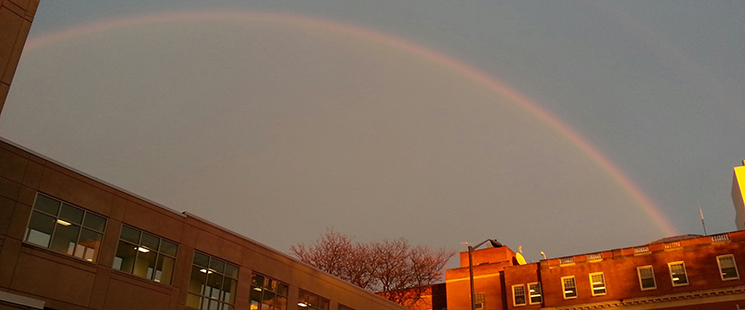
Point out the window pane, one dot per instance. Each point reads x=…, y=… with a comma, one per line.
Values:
x=214, y=285
x=164, y=269
x=145, y=264
x=268, y=302
x=40, y=229
x=47, y=204
x=231, y=271
x=281, y=303
x=64, y=239
x=324, y=304
x=130, y=234
x=168, y=248
x=313, y=300
x=125, y=257
x=535, y=293
x=228, y=289
x=303, y=297
x=726, y=262
x=201, y=260
x=94, y=222
x=257, y=280
x=255, y=296
x=197, y=280
x=270, y=284
x=71, y=214
x=149, y=241
x=88, y=245
x=282, y=289
x=217, y=265
x=648, y=283
x=646, y=273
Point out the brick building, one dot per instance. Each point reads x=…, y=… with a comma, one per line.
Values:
x=683, y=272
x=68, y=241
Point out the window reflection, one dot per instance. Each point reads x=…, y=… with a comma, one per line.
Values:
x=64, y=228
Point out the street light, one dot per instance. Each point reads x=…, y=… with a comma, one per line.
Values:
x=494, y=243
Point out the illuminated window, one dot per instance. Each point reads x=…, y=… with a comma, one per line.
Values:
x=569, y=286
x=536, y=295
x=307, y=300
x=646, y=278
x=678, y=273
x=727, y=267
x=212, y=283
x=597, y=281
x=518, y=295
x=267, y=293
x=64, y=228
x=145, y=255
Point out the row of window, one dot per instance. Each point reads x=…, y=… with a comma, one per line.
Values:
x=678, y=277
x=71, y=230
x=534, y=295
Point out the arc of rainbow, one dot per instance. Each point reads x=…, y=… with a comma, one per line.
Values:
x=646, y=203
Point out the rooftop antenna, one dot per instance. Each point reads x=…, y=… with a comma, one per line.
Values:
x=702, y=216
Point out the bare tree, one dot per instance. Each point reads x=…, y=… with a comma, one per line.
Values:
x=392, y=268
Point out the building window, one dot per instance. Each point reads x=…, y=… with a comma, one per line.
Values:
x=307, y=300
x=536, y=295
x=727, y=267
x=64, y=228
x=678, y=273
x=518, y=295
x=212, y=283
x=646, y=278
x=343, y=307
x=145, y=255
x=597, y=281
x=268, y=293
x=479, y=301
x=569, y=286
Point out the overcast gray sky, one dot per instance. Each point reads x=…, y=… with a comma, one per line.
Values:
x=381, y=119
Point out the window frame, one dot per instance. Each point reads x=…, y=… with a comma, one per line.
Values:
x=204, y=296
x=564, y=288
x=593, y=289
x=641, y=283
x=59, y=220
x=514, y=295
x=539, y=294
x=323, y=303
x=672, y=276
x=734, y=264
x=141, y=249
x=262, y=287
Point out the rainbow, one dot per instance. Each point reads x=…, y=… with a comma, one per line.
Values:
x=646, y=204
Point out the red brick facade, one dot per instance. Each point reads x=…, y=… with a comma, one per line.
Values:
x=678, y=273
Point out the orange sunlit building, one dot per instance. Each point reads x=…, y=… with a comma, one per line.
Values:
x=684, y=272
